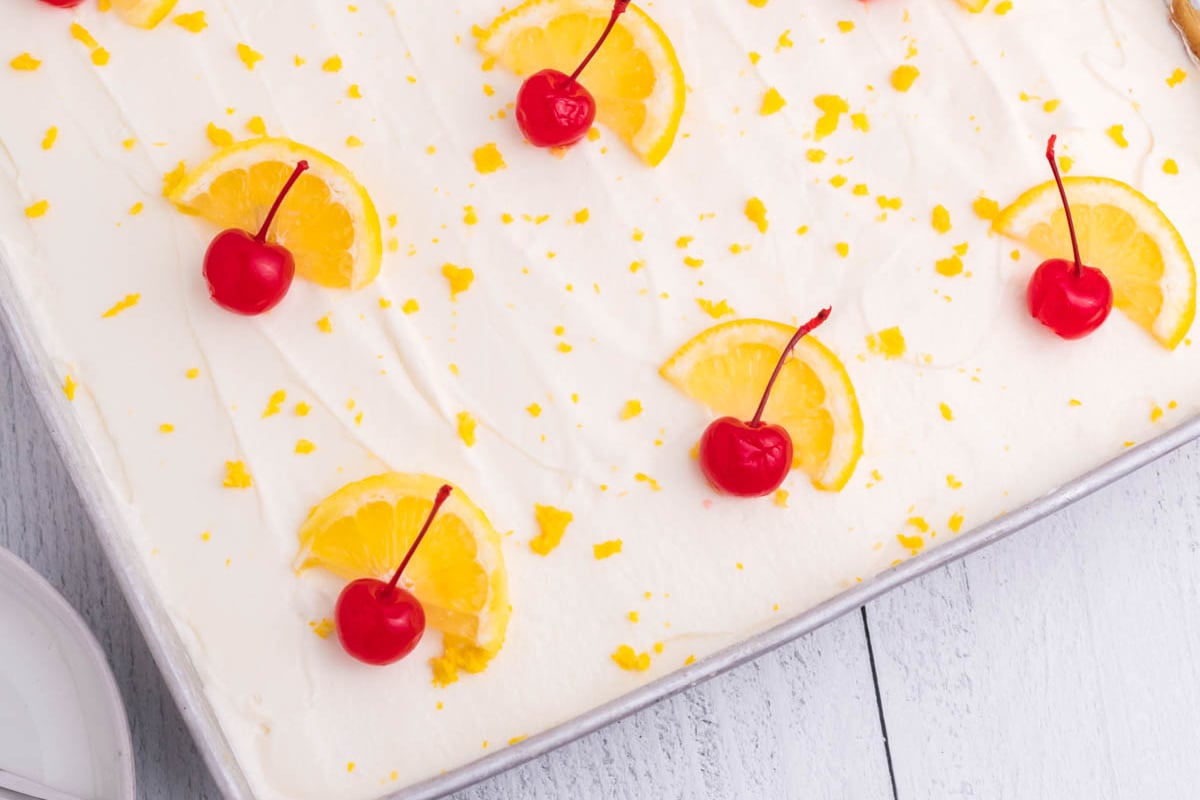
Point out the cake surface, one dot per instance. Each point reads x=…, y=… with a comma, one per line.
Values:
x=538, y=383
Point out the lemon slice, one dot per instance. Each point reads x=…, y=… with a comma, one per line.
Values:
x=364, y=529
x=143, y=13
x=635, y=78
x=727, y=366
x=1124, y=235
x=328, y=220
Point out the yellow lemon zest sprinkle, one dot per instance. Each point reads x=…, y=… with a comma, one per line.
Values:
x=236, y=476
x=552, y=524
x=129, y=301
x=607, y=549
x=466, y=428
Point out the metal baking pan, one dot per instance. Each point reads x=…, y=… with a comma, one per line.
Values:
x=184, y=681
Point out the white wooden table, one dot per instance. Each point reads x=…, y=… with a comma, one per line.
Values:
x=1061, y=663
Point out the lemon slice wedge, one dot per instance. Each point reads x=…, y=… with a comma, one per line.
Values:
x=727, y=366
x=1124, y=235
x=328, y=221
x=636, y=77
x=364, y=529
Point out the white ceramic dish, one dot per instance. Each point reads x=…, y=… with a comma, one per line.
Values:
x=62, y=722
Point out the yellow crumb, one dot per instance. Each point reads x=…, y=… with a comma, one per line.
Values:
x=249, y=56
x=552, y=524
x=986, y=208
x=219, y=136
x=627, y=658
x=756, y=212
x=631, y=409
x=831, y=107
x=715, y=309
x=25, y=63
x=193, y=22
x=324, y=628
x=236, y=476
x=772, y=102
x=941, y=219
x=488, y=159
x=904, y=76
x=129, y=301
x=607, y=549
x=642, y=477
x=460, y=279
x=949, y=266
x=888, y=343
x=274, y=403
x=466, y=428
x=304, y=447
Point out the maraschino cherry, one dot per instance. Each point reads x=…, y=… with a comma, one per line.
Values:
x=246, y=273
x=62, y=3
x=553, y=108
x=1068, y=298
x=380, y=623
x=751, y=459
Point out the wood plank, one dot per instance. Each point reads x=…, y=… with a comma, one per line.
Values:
x=799, y=723
x=1059, y=663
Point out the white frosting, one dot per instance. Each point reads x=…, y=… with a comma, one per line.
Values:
x=296, y=709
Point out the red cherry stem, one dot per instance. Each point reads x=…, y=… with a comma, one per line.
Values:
x=1062, y=190
x=801, y=332
x=261, y=236
x=618, y=10
x=442, y=495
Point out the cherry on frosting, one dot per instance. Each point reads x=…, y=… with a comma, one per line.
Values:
x=380, y=623
x=1067, y=297
x=62, y=3
x=247, y=274
x=752, y=459
x=553, y=108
